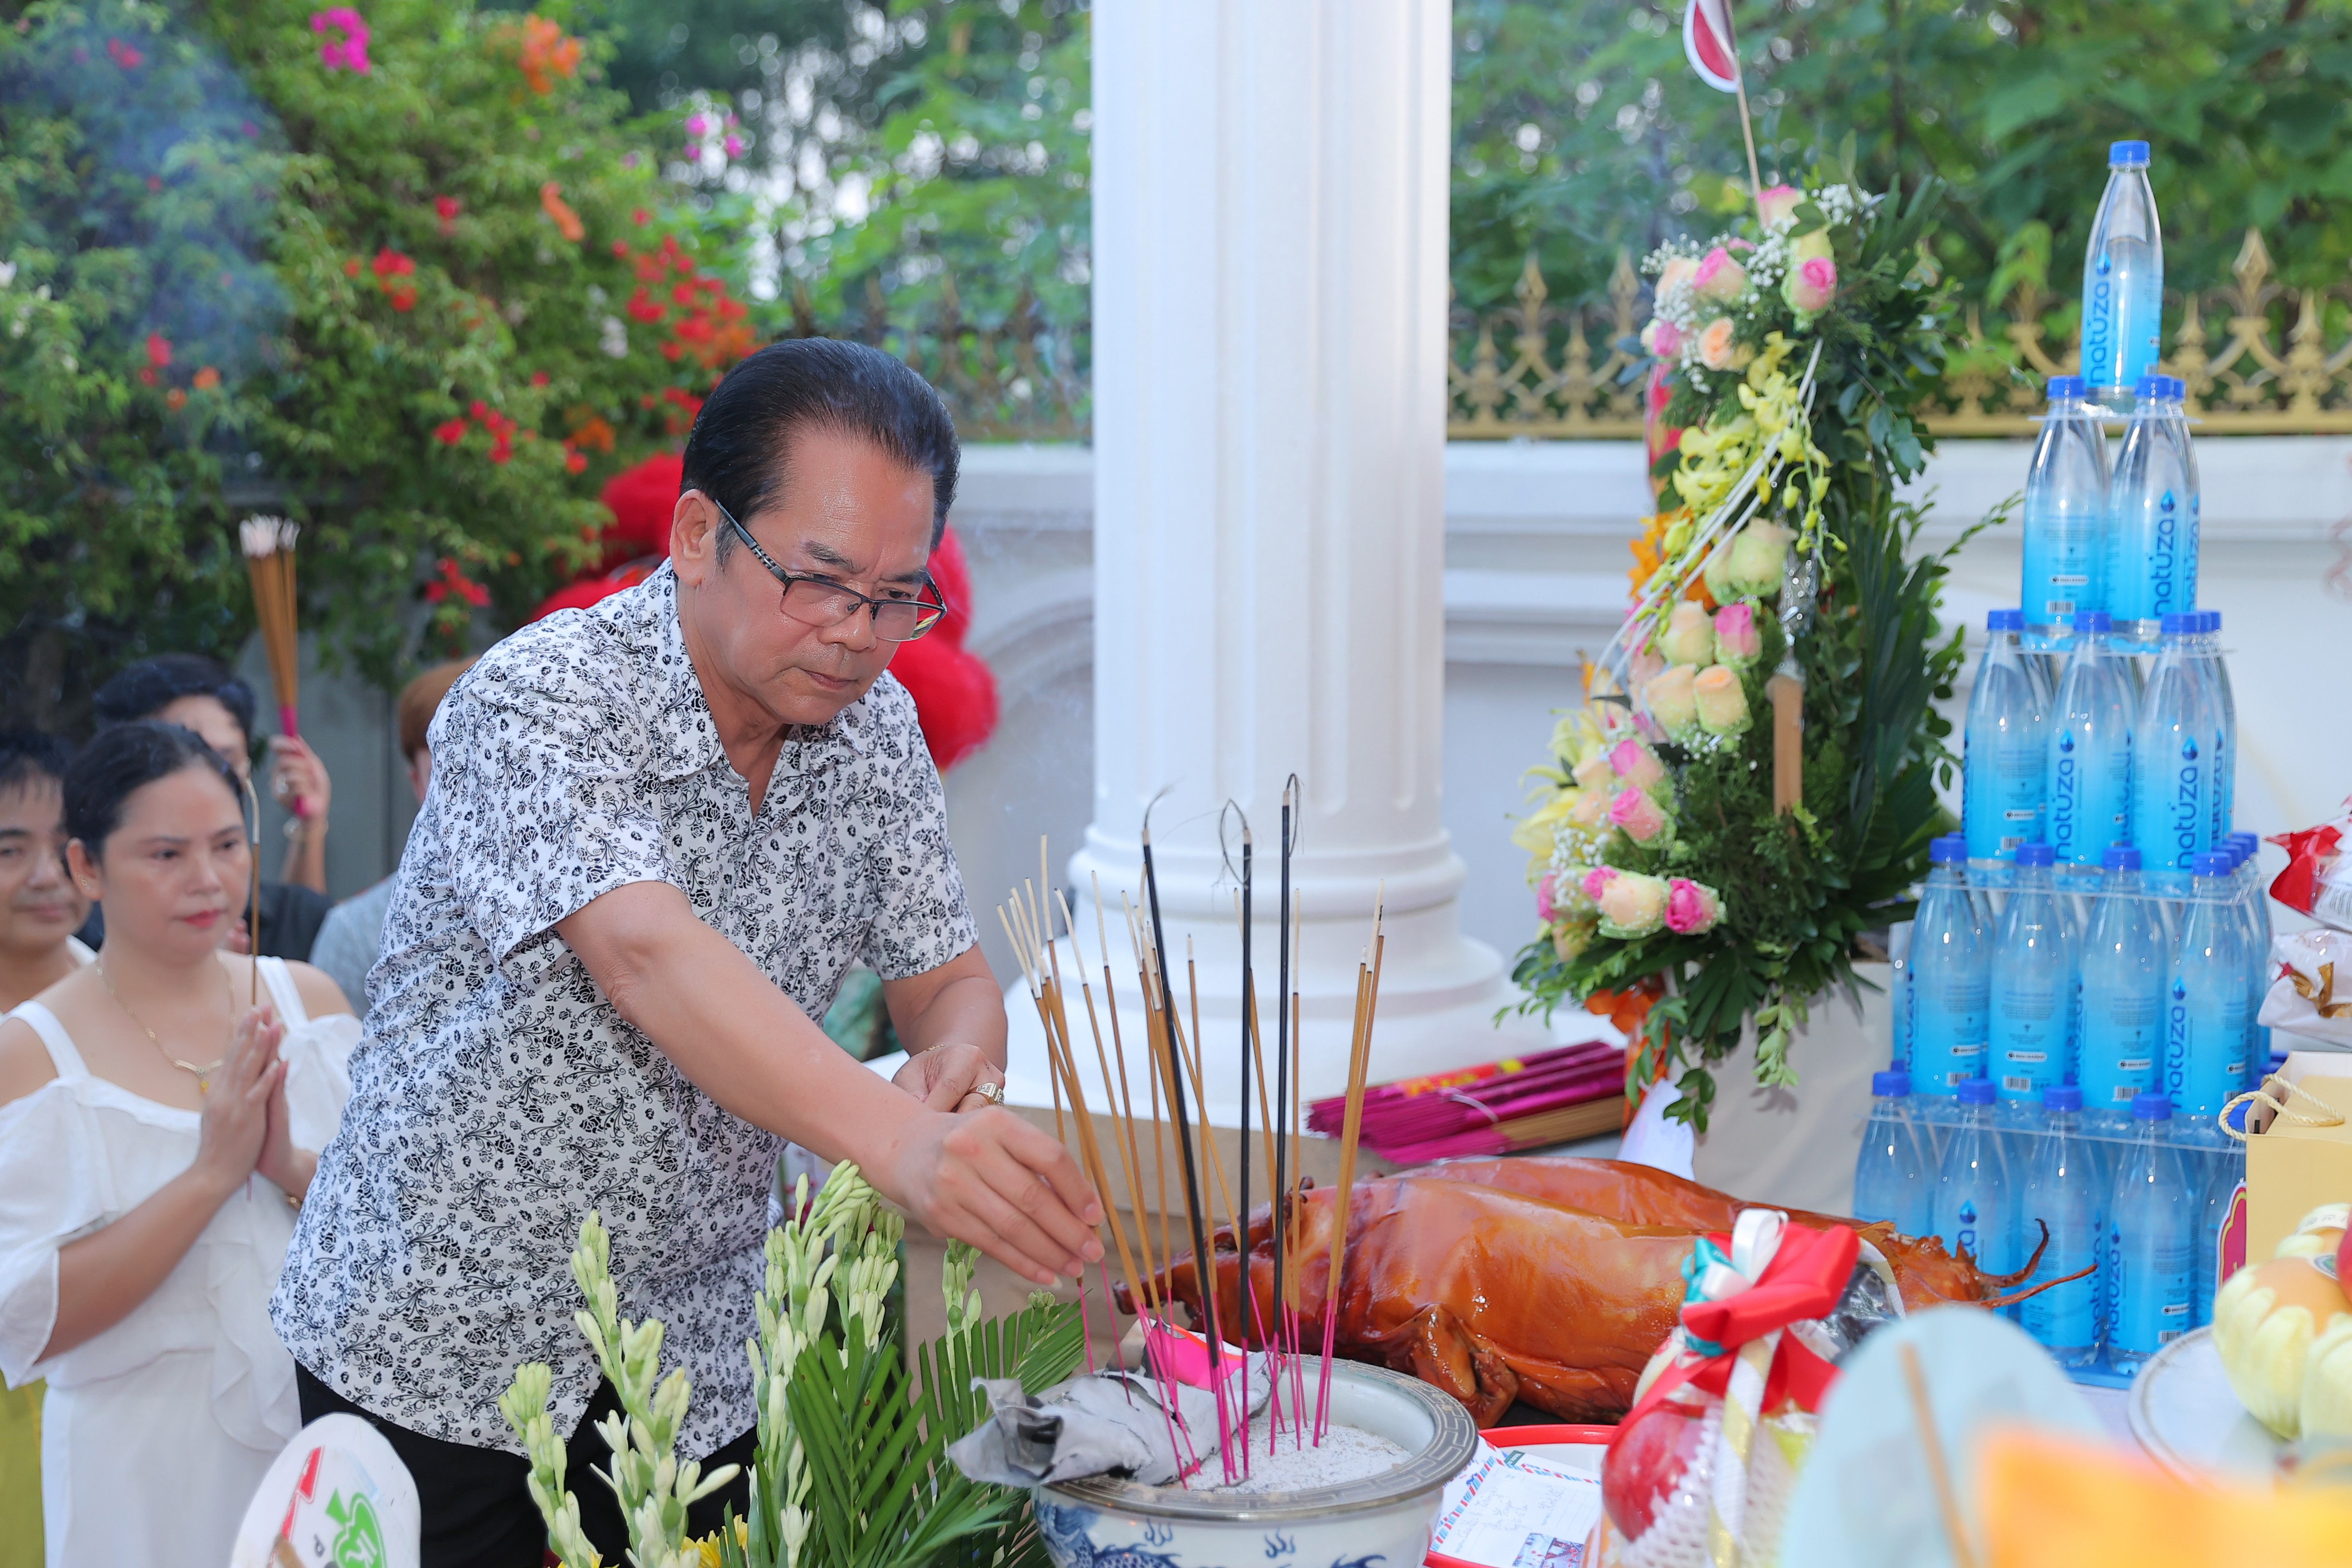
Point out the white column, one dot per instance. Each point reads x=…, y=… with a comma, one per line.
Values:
x=1269, y=382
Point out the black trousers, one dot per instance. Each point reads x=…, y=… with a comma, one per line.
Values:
x=476, y=1506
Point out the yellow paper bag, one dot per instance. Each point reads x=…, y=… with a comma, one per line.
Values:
x=2299, y=1157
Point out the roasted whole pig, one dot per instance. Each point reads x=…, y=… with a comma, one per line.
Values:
x=1463, y=1277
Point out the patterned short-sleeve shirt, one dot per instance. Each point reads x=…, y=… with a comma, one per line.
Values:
x=498, y=1096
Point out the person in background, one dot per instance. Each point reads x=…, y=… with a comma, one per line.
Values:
x=352, y=937
x=157, y=1132
x=197, y=693
x=40, y=908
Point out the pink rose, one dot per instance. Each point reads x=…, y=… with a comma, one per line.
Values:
x=1722, y=702
x=1736, y=639
x=1596, y=880
x=1637, y=815
x=1543, y=898
x=1632, y=905
x=1777, y=202
x=1719, y=277
x=1663, y=338
x=1637, y=765
x=1691, y=906
x=1717, y=351
x=1811, y=284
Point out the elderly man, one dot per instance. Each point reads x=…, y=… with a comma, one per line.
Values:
x=659, y=832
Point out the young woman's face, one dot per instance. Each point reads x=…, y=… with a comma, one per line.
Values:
x=39, y=905
x=173, y=875
x=215, y=725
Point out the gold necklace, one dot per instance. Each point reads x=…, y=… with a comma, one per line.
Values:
x=204, y=1075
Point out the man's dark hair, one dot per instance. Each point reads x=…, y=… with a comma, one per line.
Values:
x=736, y=453
x=123, y=759
x=147, y=688
x=28, y=756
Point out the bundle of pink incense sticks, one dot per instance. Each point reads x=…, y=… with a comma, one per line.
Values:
x=1521, y=1102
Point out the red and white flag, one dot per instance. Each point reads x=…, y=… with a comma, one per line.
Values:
x=1706, y=39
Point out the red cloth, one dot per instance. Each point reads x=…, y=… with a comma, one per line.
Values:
x=954, y=692
x=642, y=501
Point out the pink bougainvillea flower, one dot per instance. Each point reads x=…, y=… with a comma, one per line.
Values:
x=158, y=350
x=346, y=37
x=695, y=125
x=123, y=55
x=734, y=146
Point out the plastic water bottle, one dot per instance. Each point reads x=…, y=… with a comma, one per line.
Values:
x=2090, y=748
x=1949, y=962
x=1892, y=1179
x=2176, y=433
x=2065, y=1189
x=2002, y=763
x=1976, y=1195
x=2258, y=977
x=2123, y=278
x=2206, y=1037
x=2065, y=514
x=2126, y=965
x=2204, y=653
x=2172, y=780
x=2031, y=995
x=2151, y=1241
x=2151, y=561
x=2215, y=1164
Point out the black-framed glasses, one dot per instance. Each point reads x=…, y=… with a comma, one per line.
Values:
x=821, y=602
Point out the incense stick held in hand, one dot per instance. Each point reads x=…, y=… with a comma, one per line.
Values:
x=268, y=544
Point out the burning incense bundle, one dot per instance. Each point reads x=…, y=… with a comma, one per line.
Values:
x=269, y=565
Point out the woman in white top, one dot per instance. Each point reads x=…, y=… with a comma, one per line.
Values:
x=157, y=1130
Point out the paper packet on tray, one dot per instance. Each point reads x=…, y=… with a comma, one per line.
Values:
x=2318, y=880
x=2310, y=990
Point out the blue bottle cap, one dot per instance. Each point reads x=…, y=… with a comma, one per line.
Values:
x=2211, y=863
x=2176, y=389
x=1890, y=1085
x=2119, y=857
x=2037, y=854
x=1951, y=850
x=2063, y=386
x=2177, y=624
x=2149, y=388
x=2062, y=1097
x=2004, y=620
x=2094, y=621
x=2251, y=842
x=2212, y=620
x=1979, y=1091
x=2128, y=155
x=2149, y=1107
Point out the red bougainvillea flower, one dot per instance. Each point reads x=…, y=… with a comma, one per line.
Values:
x=123, y=55
x=352, y=267
x=455, y=583
x=574, y=460
x=447, y=208
x=643, y=307
x=393, y=271
x=546, y=54
x=449, y=432
x=158, y=350
x=639, y=217
x=346, y=37
x=539, y=378
x=567, y=221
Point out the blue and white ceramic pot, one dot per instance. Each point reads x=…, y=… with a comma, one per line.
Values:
x=1380, y=1522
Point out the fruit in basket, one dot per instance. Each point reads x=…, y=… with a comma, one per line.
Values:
x=1649, y=1462
x=2284, y=1331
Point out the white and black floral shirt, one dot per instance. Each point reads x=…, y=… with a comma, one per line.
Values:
x=498, y=1096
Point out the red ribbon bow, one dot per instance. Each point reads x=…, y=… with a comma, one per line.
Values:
x=1805, y=1279
x=2307, y=855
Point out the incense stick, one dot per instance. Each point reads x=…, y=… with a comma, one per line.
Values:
x=1276, y=1126
x=1360, y=1056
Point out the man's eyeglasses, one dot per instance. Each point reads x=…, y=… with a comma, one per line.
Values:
x=821, y=602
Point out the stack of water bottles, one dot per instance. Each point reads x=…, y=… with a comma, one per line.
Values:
x=2076, y=1004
